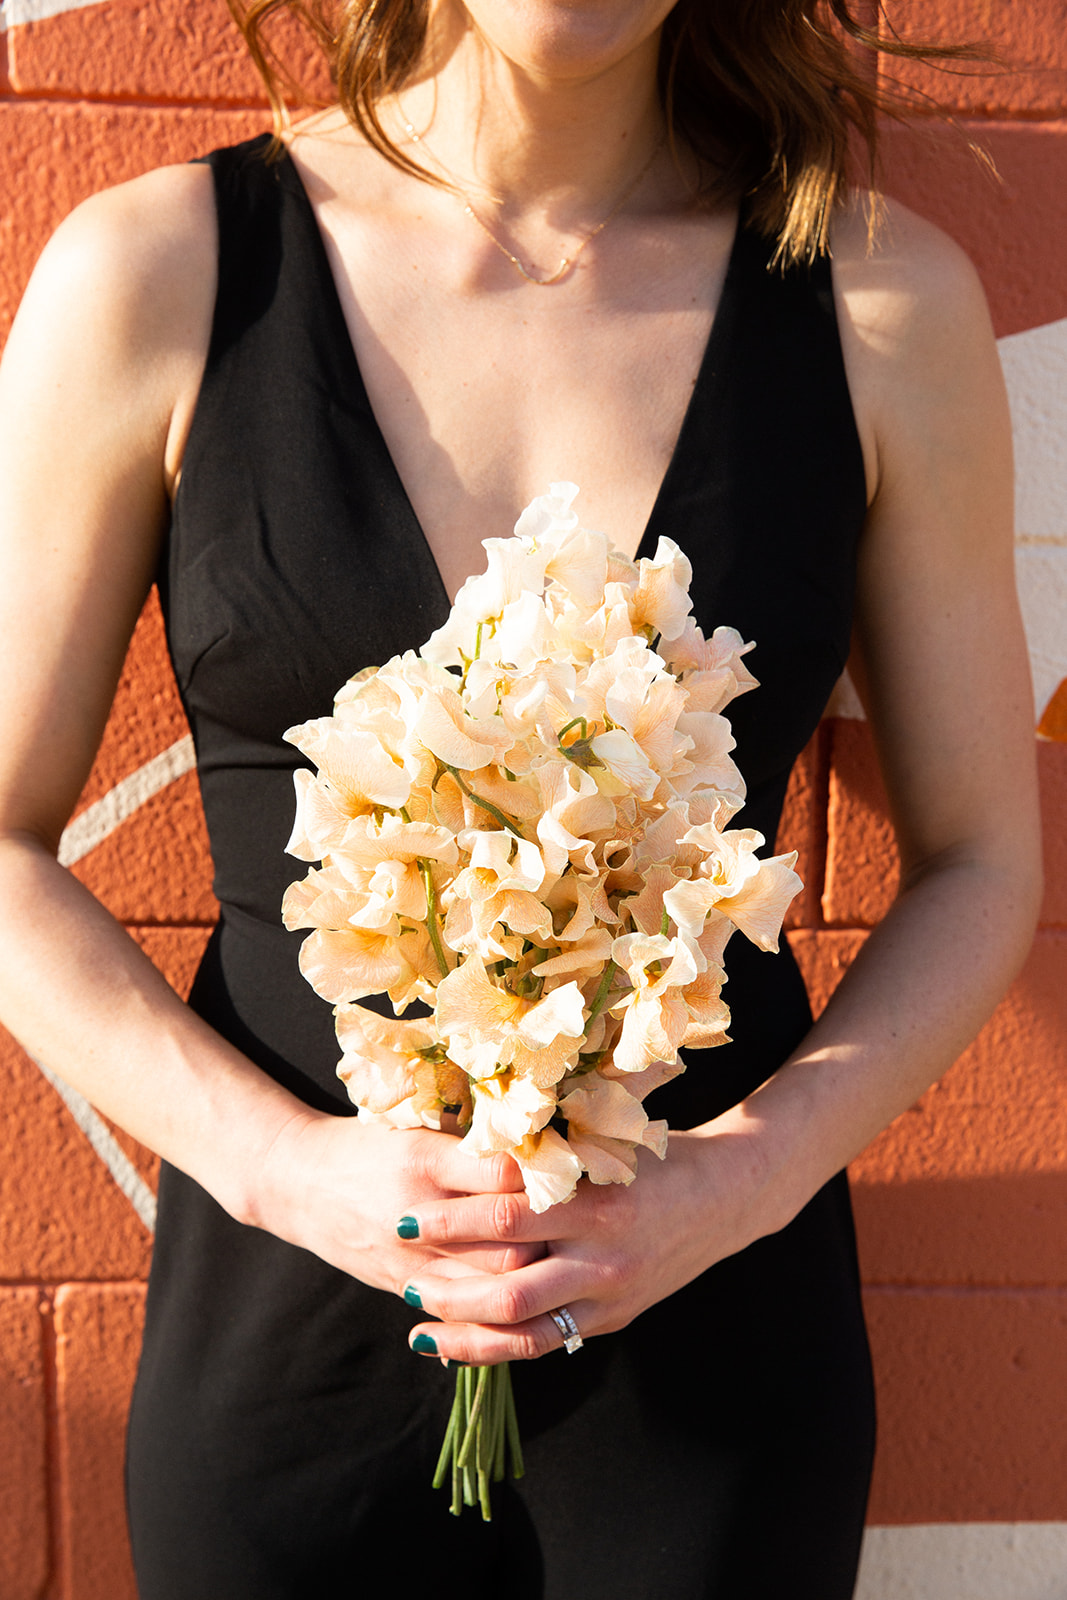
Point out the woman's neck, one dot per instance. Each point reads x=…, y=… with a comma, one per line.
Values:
x=551, y=141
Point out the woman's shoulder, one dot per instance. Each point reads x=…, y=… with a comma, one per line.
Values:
x=915, y=330
x=136, y=259
x=894, y=266
x=118, y=313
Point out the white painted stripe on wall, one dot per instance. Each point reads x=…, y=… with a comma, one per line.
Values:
x=15, y=12
x=1035, y=372
x=965, y=1561
x=108, y=1149
x=103, y=817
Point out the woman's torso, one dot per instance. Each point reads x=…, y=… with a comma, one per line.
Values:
x=296, y=558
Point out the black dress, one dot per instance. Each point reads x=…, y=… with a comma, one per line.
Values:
x=282, y=1436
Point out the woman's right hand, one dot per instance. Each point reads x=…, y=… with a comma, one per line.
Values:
x=339, y=1187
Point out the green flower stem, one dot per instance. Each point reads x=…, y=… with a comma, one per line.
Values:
x=600, y=999
x=432, y=928
x=449, y=1442
x=470, y=1438
x=482, y=1435
x=486, y=805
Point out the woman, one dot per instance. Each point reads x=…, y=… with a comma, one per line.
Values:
x=355, y=375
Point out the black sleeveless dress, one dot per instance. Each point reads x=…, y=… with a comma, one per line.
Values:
x=282, y=1436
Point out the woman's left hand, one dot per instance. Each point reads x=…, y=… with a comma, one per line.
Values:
x=611, y=1251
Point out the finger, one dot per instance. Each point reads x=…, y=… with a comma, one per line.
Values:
x=467, y=1260
x=497, y=1218
x=503, y=1300
x=494, y=1258
x=451, y=1167
x=479, y=1345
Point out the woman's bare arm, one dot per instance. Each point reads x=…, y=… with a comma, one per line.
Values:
x=97, y=388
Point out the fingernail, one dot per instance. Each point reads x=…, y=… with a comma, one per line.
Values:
x=408, y=1228
x=449, y=1364
x=413, y=1297
x=423, y=1345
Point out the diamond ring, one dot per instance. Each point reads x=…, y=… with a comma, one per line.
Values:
x=572, y=1339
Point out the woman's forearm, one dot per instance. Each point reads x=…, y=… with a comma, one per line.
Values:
x=84, y=1000
x=924, y=983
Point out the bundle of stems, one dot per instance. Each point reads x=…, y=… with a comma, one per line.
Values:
x=482, y=1438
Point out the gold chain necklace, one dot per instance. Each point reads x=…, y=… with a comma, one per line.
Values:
x=568, y=261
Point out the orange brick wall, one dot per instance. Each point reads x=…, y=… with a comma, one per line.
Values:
x=962, y=1205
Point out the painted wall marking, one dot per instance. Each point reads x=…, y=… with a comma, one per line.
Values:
x=107, y=1148
x=84, y=834
x=1035, y=372
x=15, y=13
x=965, y=1561
x=99, y=820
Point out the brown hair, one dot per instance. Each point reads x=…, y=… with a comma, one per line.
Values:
x=769, y=94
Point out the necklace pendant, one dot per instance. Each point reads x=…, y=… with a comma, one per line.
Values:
x=543, y=283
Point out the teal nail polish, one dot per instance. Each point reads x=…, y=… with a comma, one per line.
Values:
x=408, y=1228
x=413, y=1297
x=450, y=1364
x=423, y=1345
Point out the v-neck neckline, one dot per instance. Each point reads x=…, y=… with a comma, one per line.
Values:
x=351, y=373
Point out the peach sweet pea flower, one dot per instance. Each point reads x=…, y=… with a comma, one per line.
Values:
x=486, y=1027
x=507, y=824
x=654, y=1013
x=505, y=1109
x=605, y=1126
x=385, y=1065
x=752, y=893
x=356, y=774
x=550, y=1169
x=661, y=600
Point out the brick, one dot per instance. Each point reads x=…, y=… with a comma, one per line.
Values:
x=146, y=715
x=803, y=829
x=998, y=1230
x=970, y=1185
x=1052, y=775
x=24, y=1534
x=98, y=1334
x=61, y=1213
x=824, y=957
x=52, y=156
x=862, y=865
x=1027, y=37
x=972, y=1392
x=156, y=866
x=152, y=50
x=1015, y=231
x=1053, y=724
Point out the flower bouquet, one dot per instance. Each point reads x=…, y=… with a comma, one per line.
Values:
x=525, y=826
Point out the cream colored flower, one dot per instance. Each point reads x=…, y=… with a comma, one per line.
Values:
x=661, y=601
x=550, y=1169
x=382, y=1057
x=505, y=1109
x=605, y=1126
x=654, y=1014
x=752, y=893
x=356, y=774
x=512, y=842
x=487, y=1027
x=711, y=669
